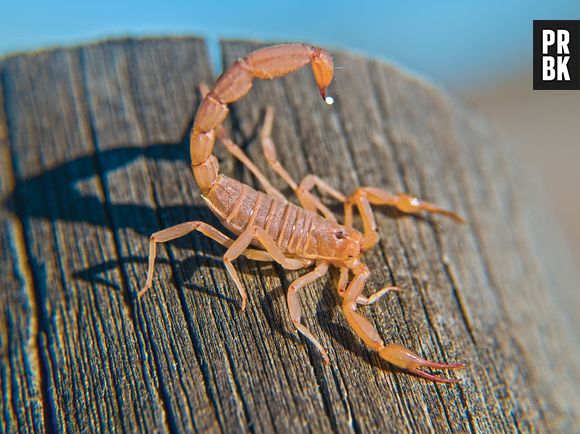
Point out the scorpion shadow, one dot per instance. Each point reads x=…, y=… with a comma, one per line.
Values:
x=54, y=195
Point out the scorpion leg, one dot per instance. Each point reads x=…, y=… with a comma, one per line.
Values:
x=305, y=191
x=234, y=149
x=371, y=236
x=237, y=152
x=365, y=301
x=269, y=148
x=182, y=229
x=363, y=197
x=362, y=300
x=393, y=353
x=238, y=247
x=311, y=181
x=305, y=197
x=294, y=304
x=343, y=281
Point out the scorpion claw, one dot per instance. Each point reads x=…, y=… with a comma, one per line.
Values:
x=431, y=377
x=437, y=210
x=406, y=359
x=413, y=205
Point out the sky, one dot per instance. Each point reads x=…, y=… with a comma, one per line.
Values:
x=455, y=43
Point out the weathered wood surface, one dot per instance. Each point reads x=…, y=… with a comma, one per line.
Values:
x=94, y=159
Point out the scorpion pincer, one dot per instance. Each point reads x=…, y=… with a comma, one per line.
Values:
x=269, y=228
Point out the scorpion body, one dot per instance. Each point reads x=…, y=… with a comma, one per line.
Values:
x=269, y=228
x=298, y=232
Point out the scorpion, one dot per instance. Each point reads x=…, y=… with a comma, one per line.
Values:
x=270, y=228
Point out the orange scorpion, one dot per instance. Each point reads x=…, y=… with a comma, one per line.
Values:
x=269, y=228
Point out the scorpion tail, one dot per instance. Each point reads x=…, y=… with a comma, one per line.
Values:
x=267, y=63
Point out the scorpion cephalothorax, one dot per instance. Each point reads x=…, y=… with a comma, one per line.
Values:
x=269, y=228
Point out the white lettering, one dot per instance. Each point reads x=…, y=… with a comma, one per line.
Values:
x=562, y=68
x=563, y=40
x=548, y=38
x=548, y=71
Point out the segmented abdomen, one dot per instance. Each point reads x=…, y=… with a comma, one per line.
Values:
x=238, y=206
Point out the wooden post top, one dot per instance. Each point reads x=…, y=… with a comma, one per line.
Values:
x=93, y=142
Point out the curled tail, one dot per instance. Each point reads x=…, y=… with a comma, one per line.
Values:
x=267, y=63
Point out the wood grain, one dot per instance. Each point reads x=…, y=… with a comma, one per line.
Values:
x=94, y=159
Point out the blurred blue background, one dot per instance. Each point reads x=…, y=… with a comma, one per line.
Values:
x=481, y=51
x=455, y=42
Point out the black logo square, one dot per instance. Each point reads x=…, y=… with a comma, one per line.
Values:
x=557, y=55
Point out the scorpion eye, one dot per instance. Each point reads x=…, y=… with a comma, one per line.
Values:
x=339, y=235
